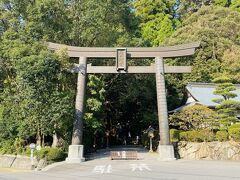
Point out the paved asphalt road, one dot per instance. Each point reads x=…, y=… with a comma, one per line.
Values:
x=147, y=168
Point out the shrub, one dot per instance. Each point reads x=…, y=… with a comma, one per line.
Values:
x=194, y=117
x=39, y=154
x=55, y=154
x=43, y=152
x=197, y=136
x=6, y=147
x=27, y=151
x=192, y=136
x=19, y=145
x=174, y=135
x=183, y=136
x=206, y=135
x=234, y=126
x=234, y=133
x=52, y=154
x=222, y=135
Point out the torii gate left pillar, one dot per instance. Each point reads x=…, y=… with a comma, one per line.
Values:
x=165, y=149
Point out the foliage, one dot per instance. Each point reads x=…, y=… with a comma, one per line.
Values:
x=129, y=104
x=191, y=136
x=18, y=145
x=227, y=108
x=6, y=147
x=224, y=88
x=234, y=134
x=234, y=126
x=51, y=154
x=174, y=135
x=231, y=63
x=37, y=97
x=207, y=135
x=97, y=91
x=43, y=153
x=157, y=20
x=203, y=135
x=56, y=154
x=222, y=135
x=93, y=122
x=235, y=5
x=194, y=117
x=217, y=29
x=37, y=91
x=188, y=7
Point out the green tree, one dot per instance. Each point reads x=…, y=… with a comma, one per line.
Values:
x=35, y=96
x=37, y=93
x=187, y=7
x=157, y=19
x=209, y=57
x=94, y=104
x=231, y=63
x=227, y=108
x=201, y=26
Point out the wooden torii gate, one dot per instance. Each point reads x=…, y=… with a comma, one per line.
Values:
x=165, y=149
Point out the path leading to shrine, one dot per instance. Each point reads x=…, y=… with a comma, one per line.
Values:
x=146, y=168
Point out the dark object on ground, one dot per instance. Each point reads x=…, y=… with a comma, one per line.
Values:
x=124, y=155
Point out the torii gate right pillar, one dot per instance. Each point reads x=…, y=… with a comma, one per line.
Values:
x=165, y=149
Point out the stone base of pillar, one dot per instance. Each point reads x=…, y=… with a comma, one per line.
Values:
x=75, y=154
x=166, y=153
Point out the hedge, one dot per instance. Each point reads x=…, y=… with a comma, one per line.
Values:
x=204, y=135
x=222, y=135
x=234, y=126
x=174, y=135
x=234, y=134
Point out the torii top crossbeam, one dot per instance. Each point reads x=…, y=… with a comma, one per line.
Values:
x=132, y=52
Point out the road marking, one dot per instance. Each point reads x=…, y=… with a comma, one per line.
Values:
x=139, y=167
x=103, y=169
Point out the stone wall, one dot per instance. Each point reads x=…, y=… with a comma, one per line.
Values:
x=208, y=150
x=16, y=161
x=6, y=161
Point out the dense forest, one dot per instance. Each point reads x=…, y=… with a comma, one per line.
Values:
x=37, y=92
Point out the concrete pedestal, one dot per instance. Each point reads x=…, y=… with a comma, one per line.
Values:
x=75, y=154
x=166, y=153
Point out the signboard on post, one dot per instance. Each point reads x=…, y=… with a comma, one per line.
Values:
x=32, y=147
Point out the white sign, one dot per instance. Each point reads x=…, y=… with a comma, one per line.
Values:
x=103, y=169
x=32, y=146
x=123, y=154
x=139, y=167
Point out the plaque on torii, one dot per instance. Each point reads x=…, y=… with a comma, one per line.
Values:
x=121, y=59
x=121, y=55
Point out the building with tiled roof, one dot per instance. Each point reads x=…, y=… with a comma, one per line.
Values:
x=202, y=93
